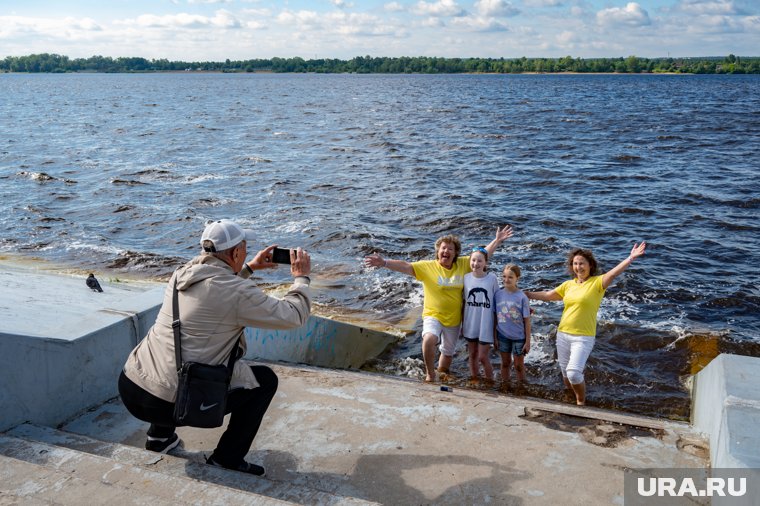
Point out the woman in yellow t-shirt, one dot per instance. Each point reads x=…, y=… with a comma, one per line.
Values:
x=442, y=281
x=582, y=296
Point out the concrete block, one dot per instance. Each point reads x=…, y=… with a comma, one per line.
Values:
x=62, y=346
x=726, y=407
x=321, y=342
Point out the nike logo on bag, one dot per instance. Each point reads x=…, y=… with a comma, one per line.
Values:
x=203, y=407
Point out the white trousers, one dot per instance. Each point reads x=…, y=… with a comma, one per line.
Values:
x=572, y=352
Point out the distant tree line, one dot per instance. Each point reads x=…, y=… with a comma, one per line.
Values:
x=730, y=64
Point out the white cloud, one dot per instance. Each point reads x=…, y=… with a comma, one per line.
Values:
x=432, y=22
x=85, y=24
x=480, y=24
x=338, y=22
x=209, y=1
x=222, y=19
x=498, y=8
x=393, y=7
x=255, y=25
x=342, y=4
x=225, y=19
x=357, y=24
x=567, y=38
x=441, y=8
x=702, y=7
x=630, y=15
x=542, y=3
x=66, y=28
x=302, y=19
x=717, y=24
x=260, y=13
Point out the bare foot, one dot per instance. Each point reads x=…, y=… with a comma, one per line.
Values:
x=429, y=379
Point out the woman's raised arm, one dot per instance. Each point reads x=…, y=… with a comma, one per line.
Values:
x=609, y=276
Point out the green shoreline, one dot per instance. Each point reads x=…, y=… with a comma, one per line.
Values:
x=54, y=63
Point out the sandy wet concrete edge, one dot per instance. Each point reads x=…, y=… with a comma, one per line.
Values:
x=397, y=441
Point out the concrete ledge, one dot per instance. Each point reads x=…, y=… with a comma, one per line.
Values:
x=63, y=345
x=726, y=407
x=49, y=379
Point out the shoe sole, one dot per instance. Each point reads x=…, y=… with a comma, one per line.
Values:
x=169, y=448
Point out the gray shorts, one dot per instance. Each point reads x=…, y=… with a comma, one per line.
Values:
x=447, y=336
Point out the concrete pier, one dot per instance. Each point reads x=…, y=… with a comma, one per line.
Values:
x=346, y=435
x=330, y=436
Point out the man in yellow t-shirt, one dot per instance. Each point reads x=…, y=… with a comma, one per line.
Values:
x=442, y=281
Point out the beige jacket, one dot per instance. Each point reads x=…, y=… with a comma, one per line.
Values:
x=215, y=305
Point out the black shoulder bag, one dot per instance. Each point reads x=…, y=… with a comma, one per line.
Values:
x=202, y=389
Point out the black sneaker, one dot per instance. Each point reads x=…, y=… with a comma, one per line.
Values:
x=243, y=467
x=162, y=446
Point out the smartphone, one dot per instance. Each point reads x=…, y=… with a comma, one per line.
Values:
x=281, y=256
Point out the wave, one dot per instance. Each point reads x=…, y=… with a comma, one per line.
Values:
x=159, y=265
x=621, y=177
x=745, y=203
x=127, y=182
x=458, y=225
x=202, y=178
x=636, y=210
x=627, y=158
x=255, y=159
x=44, y=177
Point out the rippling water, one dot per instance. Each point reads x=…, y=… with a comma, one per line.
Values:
x=119, y=172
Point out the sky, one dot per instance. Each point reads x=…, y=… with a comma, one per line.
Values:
x=215, y=30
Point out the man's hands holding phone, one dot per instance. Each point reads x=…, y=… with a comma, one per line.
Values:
x=272, y=256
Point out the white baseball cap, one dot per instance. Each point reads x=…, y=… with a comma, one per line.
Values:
x=224, y=234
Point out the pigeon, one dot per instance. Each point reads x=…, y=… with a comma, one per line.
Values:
x=93, y=283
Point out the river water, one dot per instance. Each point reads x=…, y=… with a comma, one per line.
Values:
x=117, y=174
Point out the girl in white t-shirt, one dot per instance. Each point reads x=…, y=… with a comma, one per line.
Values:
x=478, y=314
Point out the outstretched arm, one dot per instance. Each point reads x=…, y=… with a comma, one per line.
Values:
x=609, y=276
x=502, y=234
x=375, y=260
x=546, y=296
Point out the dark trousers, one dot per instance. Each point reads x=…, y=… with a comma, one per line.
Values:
x=245, y=406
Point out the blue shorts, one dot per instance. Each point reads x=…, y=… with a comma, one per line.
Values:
x=512, y=346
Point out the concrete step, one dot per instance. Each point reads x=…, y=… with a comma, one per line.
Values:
x=110, y=479
x=28, y=483
x=219, y=485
